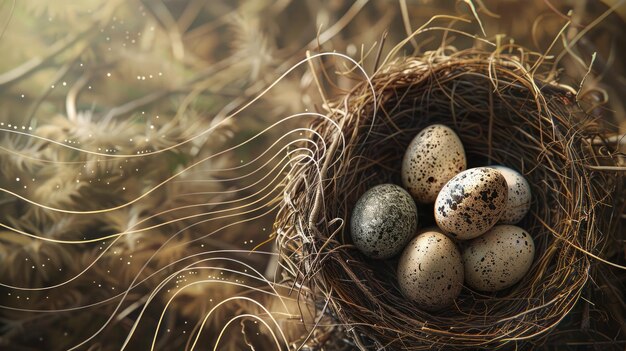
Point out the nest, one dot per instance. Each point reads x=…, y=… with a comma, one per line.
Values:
x=505, y=112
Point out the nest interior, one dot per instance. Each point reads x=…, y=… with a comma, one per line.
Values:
x=505, y=113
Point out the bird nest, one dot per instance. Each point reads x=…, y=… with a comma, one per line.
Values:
x=505, y=112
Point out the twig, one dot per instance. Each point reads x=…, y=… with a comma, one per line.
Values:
x=72, y=95
x=59, y=75
x=161, y=12
x=380, y=51
x=407, y=23
x=6, y=25
x=339, y=25
x=36, y=63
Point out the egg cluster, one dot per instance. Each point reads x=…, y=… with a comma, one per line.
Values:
x=475, y=209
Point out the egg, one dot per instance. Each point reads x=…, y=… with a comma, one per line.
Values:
x=498, y=259
x=384, y=219
x=519, y=196
x=471, y=202
x=434, y=156
x=430, y=271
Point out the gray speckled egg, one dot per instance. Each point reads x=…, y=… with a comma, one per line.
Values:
x=471, y=202
x=383, y=221
x=518, y=202
x=498, y=259
x=434, y=156
x=430, y=271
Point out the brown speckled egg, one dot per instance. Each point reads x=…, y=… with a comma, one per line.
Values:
x=430, y=271
x=498, y=259
x=434, y=156
x=383, y=221
x=471, y=202
x=519, y=196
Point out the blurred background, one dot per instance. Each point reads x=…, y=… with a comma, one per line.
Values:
x=142, y=145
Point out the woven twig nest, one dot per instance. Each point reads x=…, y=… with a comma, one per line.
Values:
x=505, y=113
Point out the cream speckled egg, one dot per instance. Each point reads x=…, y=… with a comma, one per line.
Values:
x=498, y=259
x=430, y=271
x=519, y=196
x=384, y=219
x=434, y=156
x=471, y=202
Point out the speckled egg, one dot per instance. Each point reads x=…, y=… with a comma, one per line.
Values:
x=519, y=196
x=471, y=202
x=383, y=221
x=434, y=156
x=498, y=259
x=430, y=271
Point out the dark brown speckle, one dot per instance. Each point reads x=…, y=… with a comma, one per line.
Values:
x=471, y=202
